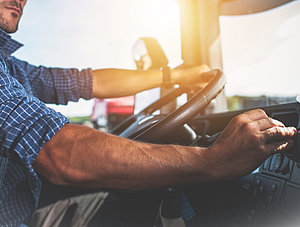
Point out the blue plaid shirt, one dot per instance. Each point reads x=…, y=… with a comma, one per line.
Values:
x=26, y=124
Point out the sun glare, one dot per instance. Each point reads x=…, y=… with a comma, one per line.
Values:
x=97, y=34
x=164, y=12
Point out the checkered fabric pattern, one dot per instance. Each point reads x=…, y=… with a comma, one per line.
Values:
x=26, y=124
x=52, y=85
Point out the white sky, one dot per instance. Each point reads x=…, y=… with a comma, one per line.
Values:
x=261, y=52
x=95, y=33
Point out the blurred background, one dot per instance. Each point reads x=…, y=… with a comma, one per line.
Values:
x=258, y=52
x=95, y=33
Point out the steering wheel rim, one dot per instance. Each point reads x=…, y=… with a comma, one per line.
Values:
x=189, y=110
x=175, y=92
x=177, y=118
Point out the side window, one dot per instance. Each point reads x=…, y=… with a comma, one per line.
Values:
x=261, y=56
x=97, y=34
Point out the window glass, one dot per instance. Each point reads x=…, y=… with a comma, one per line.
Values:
x=261, y=54
x=97, y=34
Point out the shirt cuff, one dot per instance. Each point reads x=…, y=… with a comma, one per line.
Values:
x=86, y=89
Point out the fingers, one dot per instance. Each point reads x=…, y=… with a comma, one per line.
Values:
x=189, y=75
x=204, y=68
x=261, y=118
x=276, y=122
x=254, y=115
x=205, y=78
x=274, y=136
x=268, y=122
x=279, y=146
x=278, y=133
x=204, y=73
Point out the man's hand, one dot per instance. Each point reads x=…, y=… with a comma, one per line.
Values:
x=191, y=76
x=247, y=141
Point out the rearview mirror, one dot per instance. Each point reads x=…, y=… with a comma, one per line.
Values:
x=148, y=54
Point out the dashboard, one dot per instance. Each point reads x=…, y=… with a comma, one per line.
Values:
x=269, y=196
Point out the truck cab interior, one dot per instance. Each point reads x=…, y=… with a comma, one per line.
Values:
x=254, y=44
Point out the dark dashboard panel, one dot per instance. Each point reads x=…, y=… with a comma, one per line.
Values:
x=272, y=193
x=287, y=113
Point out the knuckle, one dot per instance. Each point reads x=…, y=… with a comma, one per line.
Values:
x=271, y=121
x=277, y=131
x=261, y=112
x=248, y=128
x=275, y=122
x=274, y=131
x=257, y=112
x=238, y=119
x=256, y=140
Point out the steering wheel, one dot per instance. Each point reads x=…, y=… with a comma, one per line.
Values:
x=147, y=127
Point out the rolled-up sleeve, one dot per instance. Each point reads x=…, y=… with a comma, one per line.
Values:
x=53, y=85
x=26, y=124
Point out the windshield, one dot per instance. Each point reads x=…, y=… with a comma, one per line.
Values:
x=261, y=55
x=96, y=34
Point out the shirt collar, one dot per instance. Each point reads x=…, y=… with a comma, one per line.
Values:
x=7, y=44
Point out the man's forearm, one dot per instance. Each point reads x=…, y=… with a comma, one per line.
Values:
x=111, y=83
x=81, y=156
